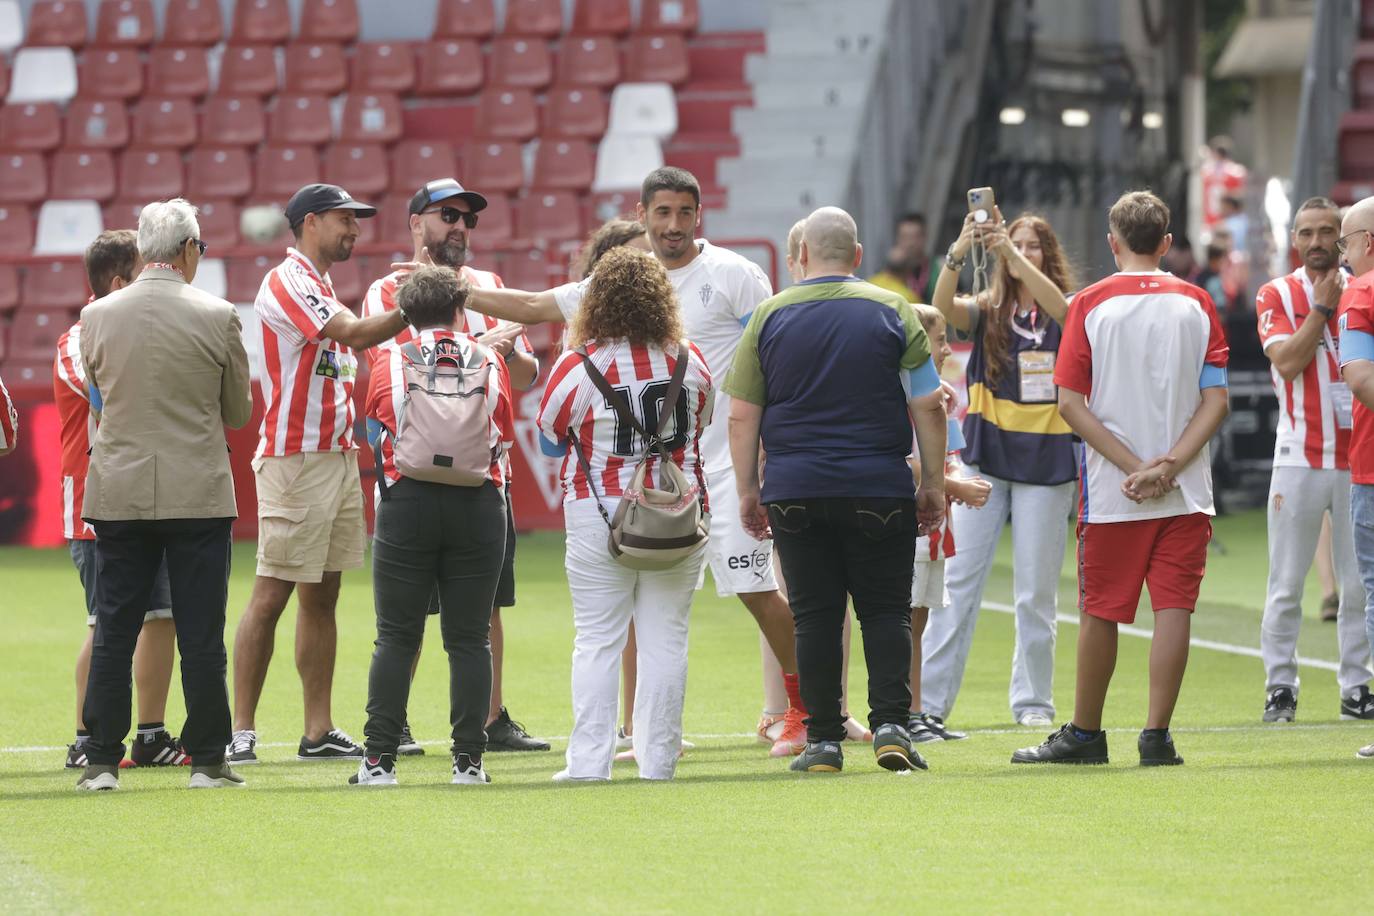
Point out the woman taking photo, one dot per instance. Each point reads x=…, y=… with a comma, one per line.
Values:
x=630, y=325
x=1015, y=440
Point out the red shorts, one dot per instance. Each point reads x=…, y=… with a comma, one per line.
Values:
x=1116, y=558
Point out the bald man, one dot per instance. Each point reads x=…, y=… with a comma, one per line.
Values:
x=1356, y=323
x=837, y=497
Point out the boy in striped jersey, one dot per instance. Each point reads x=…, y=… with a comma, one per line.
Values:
x=1297, y=327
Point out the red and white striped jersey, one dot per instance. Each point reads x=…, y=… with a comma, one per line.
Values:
x=572, y=405
x=9, y=419
x=76, y=430
x=381, y=298
x=386, y=392
x=1309, y=434
x=307, y=378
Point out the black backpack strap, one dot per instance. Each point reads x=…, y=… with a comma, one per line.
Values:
x=382, y=485
x=613, y=397
x=582, y=462
x=684, y=355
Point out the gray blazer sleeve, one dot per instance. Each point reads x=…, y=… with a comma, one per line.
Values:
x=236, y=392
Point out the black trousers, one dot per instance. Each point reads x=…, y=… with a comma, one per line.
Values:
x=432, y=534
x=128, y=556
x=831, y=550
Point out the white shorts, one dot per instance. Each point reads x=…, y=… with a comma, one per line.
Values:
x=928, y=581
x=739, y=564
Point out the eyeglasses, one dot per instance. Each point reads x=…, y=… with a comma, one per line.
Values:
x=1342, y=244
x=451, y=215
x=199, y=244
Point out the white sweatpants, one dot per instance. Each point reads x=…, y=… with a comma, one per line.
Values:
x=1298, y=497
x=606, y=597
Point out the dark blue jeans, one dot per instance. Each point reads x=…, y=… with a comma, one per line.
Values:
x=833, y=550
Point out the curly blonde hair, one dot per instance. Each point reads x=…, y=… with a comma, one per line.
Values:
x=629, y=298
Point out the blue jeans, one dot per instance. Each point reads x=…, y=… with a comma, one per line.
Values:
x=1362, y=521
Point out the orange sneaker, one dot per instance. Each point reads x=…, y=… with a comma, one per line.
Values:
x=792, y=741
x=770, y=728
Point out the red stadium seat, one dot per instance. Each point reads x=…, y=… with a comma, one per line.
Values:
x=164, y=122
x=9, y=294
x=283, y=170
x=656, y=59
x=360, y=167
x=543, y=18
x=178, y=72
x=96, y=124
x=508, y=114
x=371, y=118
x=30, y=126
x=318, y=69
x=601, y=17
x=151, y=174
x=589, y=60
x=125, y=22
x=16, y=229
x=265, y=22
x=4, y=78
x=329, y=20
x=192, y=22
x=346, y=276
x=449, y=67
x=549, y=216
x=233, y=121
x=523, y=62
x=300, y=119
x=23, y=178
x=34, y=332
x=122, y=213
x=383, y=66
x=219, y=173
x=245, y=275
x=219, y=222
x=417, y=162
x=575, y=111
x=110, y=73
x=564, y=164
x=528, y=269
x=493, y=166
x=464, y=19
x=658, y=16
x=604, y=205
x=83, y=175
x=57, y=23
x=496, y=224
x=248, y=70
x=393, y=222
x=54, y=284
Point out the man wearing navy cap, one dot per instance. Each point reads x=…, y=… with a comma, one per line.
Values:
x=311, y=525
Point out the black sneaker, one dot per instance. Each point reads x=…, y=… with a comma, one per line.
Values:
x=76, y=757
x=215, y=776
x=937, y=725
x=379, y=770
x=506, y=734
x=819, y=757
x=892, y=747
x=408, y=746
x=242, y=748
x=1158, y=750
x=467, y=770
x=335, y=745
x=98, y=777
x=1358, y=704
x=1282, y=705
x=159, y=749
x=918, y=731
x=1065, y=747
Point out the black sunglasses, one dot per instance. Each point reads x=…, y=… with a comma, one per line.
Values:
x=451, y=215
x=199, y=244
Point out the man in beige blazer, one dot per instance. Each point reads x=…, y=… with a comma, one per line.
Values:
x=167, y=371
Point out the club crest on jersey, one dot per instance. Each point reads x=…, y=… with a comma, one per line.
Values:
x=330, y=367
x=705, y=293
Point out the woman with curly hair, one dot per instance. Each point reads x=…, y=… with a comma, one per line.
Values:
x=1015, y=440
x=631, y=328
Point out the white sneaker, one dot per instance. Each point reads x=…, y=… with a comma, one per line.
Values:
x=242, y=748
x=375, y=771
x=623, y=741
x=1365, y=753
x=467, y=771
x=565, y=776
x=1035, y=720
x=218, y=776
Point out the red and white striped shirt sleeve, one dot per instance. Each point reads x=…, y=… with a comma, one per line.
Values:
x=296, y=306
x=556, y=407
x=1272, y=317
x=9, y=420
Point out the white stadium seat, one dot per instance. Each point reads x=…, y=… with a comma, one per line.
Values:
x=649, y=109
x=11, y=26
x=211, y=278
x=623, y=161
x=67, y=226
x=43, y=75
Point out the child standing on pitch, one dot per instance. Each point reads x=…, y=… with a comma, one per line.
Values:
x=1142, y=379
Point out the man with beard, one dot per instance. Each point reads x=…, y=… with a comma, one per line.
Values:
x=909, y=271
x=311, y=525
x=442, y=213
x=1297, y=327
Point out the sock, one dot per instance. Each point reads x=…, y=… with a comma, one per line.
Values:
x=1083, y=734
x=82, y=736
x=792, y=683
x=146, y=729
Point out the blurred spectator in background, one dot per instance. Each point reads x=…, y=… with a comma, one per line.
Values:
x=1209, y=277
x=1221, y=176
x=909, y=271
x=1180, y=260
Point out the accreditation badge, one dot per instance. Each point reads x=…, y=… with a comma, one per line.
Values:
x=1037, y=376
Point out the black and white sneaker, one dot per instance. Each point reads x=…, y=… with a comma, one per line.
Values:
x=467, y=770
x=937, y=725
x=76, y=757
x=918, y=731
x=241, y=749
x=505, y=734
x=335, y=745
x=98, y=777
x=892, y=747
x=408, y=746
x=375, y=771
x=1358, y=704
x=1282, y=705
x=216, y=776
x=159, y=749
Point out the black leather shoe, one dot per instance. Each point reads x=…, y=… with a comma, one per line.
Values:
x=1065, y=747
x=1158, y=750
x=507, y=735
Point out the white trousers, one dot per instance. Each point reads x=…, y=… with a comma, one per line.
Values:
x=606, y=597
x=1039, y=532
x=1298, y=497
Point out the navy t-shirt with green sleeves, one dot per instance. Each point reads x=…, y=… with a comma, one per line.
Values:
x=832, y=362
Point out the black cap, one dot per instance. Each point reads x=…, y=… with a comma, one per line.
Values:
x=442, y=189
x=319, y=198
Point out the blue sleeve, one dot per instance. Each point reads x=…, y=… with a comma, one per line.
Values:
x=374, y=431
x=744, y=322
x=922, y=380
x=954, y=437
x=552, y=449
x=98, y=402
x=1212, y=376
x=1356, y=345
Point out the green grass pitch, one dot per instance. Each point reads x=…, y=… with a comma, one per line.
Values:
x=1261, y=819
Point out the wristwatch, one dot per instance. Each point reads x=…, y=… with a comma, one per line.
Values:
x=1325, y=310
